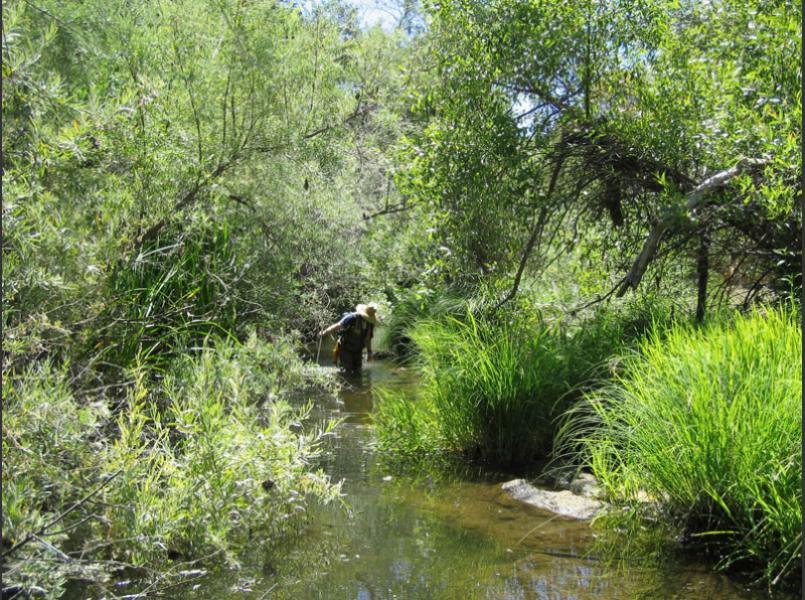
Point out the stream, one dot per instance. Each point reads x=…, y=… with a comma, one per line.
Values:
x=436, y=535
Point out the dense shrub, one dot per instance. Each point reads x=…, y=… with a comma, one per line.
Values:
x=707, y=423
x=50, y=460
x=211, y=460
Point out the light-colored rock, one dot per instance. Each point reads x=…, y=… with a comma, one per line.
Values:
x=564, y=503
x=584, y=484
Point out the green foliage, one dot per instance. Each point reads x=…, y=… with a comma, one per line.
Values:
x=194, y=471
x=50, y=461
x=213, y=460
x=584, y=123
x=153, y=132
x=175, y=177
x=496, y=386
x=408, y=427
x=411, y=306
x=707, y=424
x=172, y=296
x=493, y=387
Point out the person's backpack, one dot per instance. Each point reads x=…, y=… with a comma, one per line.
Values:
x=353, y=335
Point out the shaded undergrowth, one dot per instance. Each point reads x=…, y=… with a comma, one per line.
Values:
x=413, y=306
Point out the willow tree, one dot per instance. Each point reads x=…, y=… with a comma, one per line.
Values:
x=664, y=133
x=186, y=166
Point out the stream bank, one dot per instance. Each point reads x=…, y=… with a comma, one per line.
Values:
x=452, y=535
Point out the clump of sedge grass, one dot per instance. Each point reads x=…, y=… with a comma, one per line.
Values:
x=490, y=389
x=412, y=306
x=494, y=386
x=707, y=423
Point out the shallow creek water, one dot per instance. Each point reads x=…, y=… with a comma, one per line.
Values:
x=436, y=535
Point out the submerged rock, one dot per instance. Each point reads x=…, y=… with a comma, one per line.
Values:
x=564, y=503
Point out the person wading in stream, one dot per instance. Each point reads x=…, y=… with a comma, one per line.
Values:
x=355, y=331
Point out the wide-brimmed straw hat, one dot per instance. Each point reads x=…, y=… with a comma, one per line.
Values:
x=368, y=312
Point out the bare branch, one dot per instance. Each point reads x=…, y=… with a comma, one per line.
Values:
x=536, y=232
x=402, y=206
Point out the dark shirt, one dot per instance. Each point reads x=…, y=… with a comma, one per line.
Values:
x=348, y=319
x=352, y=338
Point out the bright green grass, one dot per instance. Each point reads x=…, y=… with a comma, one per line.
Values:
x=493, y=388
x=409, y=427
x=411, y=306
x=707, y=423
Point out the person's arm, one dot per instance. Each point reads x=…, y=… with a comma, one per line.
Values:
x=342, y=324
x=369, y=335
x=331, y=329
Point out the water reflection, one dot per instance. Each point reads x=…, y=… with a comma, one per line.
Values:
x=439, y=534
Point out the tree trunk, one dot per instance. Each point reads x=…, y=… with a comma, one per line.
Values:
x=536, y=232
x=702, y=270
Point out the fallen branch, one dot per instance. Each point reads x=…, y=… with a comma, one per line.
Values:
x=598, y=298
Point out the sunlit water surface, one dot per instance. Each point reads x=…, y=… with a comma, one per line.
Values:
x=431, y=535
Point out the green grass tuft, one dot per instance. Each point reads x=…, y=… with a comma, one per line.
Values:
x=707, y=423
x=412, y=306
x=493, y=387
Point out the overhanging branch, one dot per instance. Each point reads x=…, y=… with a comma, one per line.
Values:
x=694, y=199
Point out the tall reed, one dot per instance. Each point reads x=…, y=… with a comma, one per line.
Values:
x=707, y=423
x=180, y=288
x=492, y=386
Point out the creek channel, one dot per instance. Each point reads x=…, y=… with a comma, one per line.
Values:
x=436, y=534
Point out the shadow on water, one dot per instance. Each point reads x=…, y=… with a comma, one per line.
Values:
x=437, y=535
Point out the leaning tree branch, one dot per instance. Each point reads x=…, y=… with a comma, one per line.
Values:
x=598, y=298
x=401, y=207
x=694, y=199
x=361, y=110
x=189, y=198
x=535, y=234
